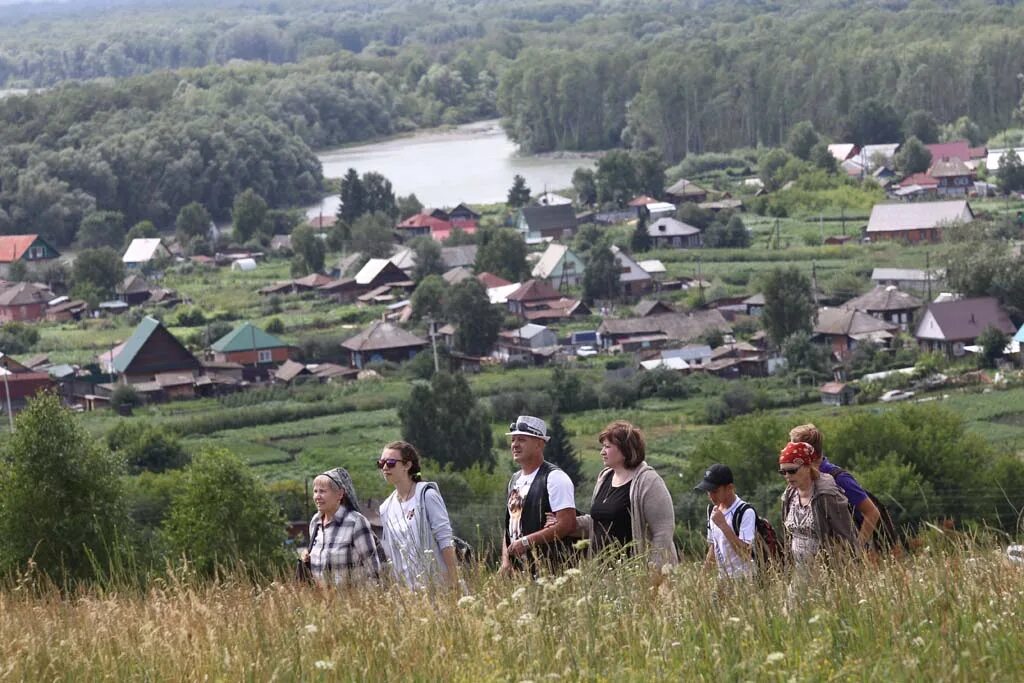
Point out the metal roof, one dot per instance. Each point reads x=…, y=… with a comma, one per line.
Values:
x=918, y=215
x=246, y=337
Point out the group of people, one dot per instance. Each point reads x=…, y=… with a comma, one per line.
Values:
x=826, y=514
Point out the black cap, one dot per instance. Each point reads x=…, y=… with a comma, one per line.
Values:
x=715, y=476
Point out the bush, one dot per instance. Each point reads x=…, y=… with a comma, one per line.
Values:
x=17, y=338
x=125, y=395
x=191, y=317
x=275, y=326
x=147, y=447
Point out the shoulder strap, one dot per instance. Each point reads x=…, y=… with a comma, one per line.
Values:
x=312, y=537
x=737, y=517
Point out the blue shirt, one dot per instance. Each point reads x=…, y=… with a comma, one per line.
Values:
x=853, y=491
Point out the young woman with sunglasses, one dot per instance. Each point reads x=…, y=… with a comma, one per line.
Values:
x=815, y=512
x=418, y=539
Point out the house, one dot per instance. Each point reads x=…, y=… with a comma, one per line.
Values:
x=633, y=279
x=530, y=294
x=754, y=304
x=954, y=177
x=646, y=307
x=144, y=250
x=669, y=233
x=27, y=249
x=737, y=359
x=490, y=280
x=20, y=383
x=844, y=329
x=302, y=284
x=545, y=312
x=995, y=156
x=280, y=243
x=457, y=275
x=559, y=266
x=836, y=394
x=656, y=330
x=949, y=326
x=251, y=347
x=24, y=302
x=133, y=290
x=909, y=278
x=537, y=223
x=688, y=357
x=63, y=309
x=687, y=191
x=874, y=157
x=382, y=341
x=405, y=259
x=291, y=370
x=916, y=186
x=727, y=204
x=379, y=275
x=651, y=207
x=887, y=303
x=530, y=343
x=843, y=151
x=421, y=225
x=152, y=351
x=958, y=149
x=916, y=222
x=463, y=216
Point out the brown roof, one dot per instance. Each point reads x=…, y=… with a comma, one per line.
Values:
x=949, y=167
x=884, y=299
x=289, y=370
x=846, y=322
x=312, y=281
x=25, y=293
x=649, y=306
x=382, y=335
x=684, y=326
x=134, y=284
x=965, y=319
x=832, y=388
x=534, y=290
x=491, y=280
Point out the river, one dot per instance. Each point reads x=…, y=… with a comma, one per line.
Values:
x=473, y=163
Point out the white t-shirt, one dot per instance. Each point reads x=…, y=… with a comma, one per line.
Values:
x=730, y=564
x=402, y=524
x=561, y=495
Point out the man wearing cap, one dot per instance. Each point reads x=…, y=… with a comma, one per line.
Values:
x=538, y=488
x=727, y=548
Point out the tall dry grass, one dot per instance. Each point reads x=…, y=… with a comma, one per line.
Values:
x=943, y=615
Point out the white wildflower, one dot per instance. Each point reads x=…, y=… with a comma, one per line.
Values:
x=466, y=601
x=324, y=665
x=501, y=605
x=525, y=618
x=774, y=657
x=311, y=628
x=734, y=620
x=582, y=601
x=518, y=593
x=561, y=581
x=815, y=619
x=572, y=571
x=918, y=642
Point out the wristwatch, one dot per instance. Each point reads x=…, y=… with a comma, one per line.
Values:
x=524, y=541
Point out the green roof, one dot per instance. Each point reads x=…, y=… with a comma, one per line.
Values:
x=135, y=343
x=246, y=337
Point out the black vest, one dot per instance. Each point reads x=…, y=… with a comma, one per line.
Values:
x=536, y=505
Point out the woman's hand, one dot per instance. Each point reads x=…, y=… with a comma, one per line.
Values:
x=304, y=555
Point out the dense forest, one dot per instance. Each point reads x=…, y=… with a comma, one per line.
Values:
x=152, y=106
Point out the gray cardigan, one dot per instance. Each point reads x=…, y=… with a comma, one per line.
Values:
x=434, y=531
x=651, y=513
x=833, y=521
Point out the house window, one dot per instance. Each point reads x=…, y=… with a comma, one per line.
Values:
x=36, y=253
x=265, y=356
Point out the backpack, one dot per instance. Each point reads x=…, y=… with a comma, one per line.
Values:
x=886, y=537
x=767, y=550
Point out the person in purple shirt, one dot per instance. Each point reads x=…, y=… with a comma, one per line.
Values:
x=865, y=512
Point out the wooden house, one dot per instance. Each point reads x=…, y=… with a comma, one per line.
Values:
x=536, y=223
x=382, y=341
x=917, y=221
x=251, y=347
x=24, y=302
x=949, y=326
x=152, y=351
x=27, y=249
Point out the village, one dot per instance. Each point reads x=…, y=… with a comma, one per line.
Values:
x=545, y=318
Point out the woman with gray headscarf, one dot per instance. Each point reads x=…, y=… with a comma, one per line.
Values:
x=343, y=550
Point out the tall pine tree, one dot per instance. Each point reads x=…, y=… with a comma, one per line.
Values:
x=641, y=240
x=559, y=450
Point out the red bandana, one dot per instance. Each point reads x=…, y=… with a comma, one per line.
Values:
x=796, y=453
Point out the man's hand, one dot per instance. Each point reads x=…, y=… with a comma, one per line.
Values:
x=718, y=518
x=518, y=549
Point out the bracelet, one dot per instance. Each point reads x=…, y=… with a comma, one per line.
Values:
x=525, y=542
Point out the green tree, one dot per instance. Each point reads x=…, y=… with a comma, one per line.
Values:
x=17, y=337
x=731, y=234
x=430, y=299
x=789, y=305
x=1010, y=175
x=913, y=157
x=992, y=343
x=60, y=494
x=428, y=258
x=409, y=206
x=804, y=358
x=379, y=195
x=193, y=221
x=100, y=269
x=585, y=185
x=18, y=272
x=101, y=229
x=309, y=248
x=616, y=178
x=821, y=158
x=447, y=423
x=872, y=121
x=141, y=230
x=649, y=169
x=964, y=129
x=921, y=125
x=601, y=276
x=501, y=252
x=223, y=515
x=353, y=197
x=372, y=235
x=249, y=218
x=559, y=450
x=519, y=193
x=146, y=447
x=476, y=321
x=801, y=140
x=641, y=239
x=770, y=166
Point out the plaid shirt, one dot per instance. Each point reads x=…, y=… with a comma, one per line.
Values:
x=345, y=551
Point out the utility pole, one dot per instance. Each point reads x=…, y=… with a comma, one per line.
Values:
x=432, y=326
x=928, y=273
x=700, y=280
x=7, y=391
x=814, y=281
x=842, y=214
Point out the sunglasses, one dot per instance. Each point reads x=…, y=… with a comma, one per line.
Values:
x=784, y=471
x=389, y=463
x=523, y=427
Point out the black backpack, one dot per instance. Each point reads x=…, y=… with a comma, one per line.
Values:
x=768, y=550
x=886, y=537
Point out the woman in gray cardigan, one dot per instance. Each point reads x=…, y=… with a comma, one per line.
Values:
x=418, y=539
x=631, y=505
